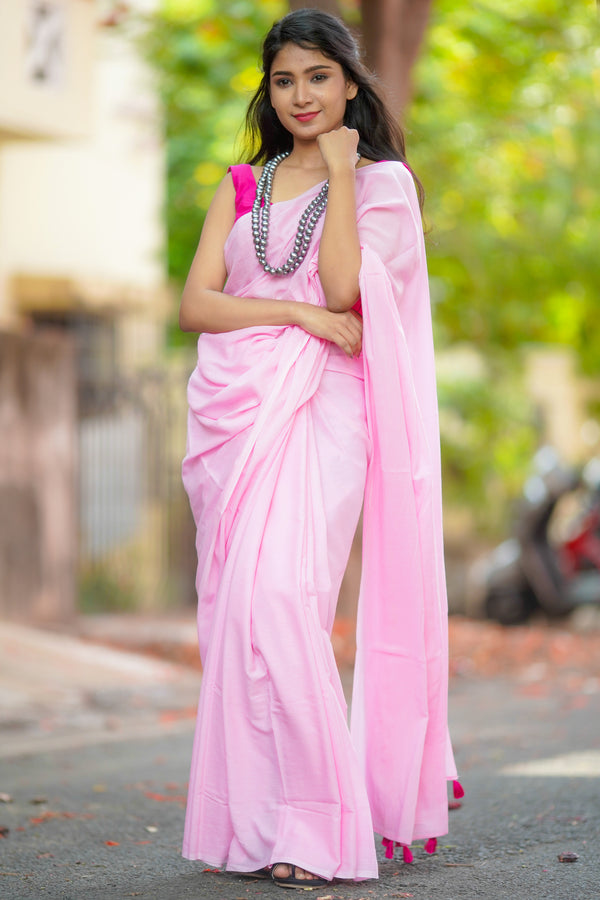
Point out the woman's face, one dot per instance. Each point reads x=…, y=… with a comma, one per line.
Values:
x=308, y=92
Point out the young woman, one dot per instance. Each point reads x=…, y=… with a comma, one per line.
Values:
x=315, y=392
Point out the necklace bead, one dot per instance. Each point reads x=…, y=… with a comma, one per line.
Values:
x=261, y=209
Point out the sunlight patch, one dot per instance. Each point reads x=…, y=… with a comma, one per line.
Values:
x=568, y=765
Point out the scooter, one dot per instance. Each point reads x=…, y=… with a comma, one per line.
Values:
x=532, y=571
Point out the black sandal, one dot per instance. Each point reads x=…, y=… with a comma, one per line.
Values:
x=265, y=872
x=291, y=881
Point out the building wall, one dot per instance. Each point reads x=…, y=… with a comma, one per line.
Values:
x=82, y=275
x=81, y=215
x=562, y=398
x=38, y=471
x=46, y=56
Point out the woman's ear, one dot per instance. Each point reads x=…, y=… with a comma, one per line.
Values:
x=351, y=90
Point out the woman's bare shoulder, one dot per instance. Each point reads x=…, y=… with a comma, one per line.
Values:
x=221, y=212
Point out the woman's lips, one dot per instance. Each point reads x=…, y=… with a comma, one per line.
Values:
x=306, y=117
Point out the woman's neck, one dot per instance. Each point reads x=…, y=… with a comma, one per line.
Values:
x=305, y=156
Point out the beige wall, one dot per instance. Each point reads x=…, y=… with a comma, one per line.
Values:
x=46, y=67
x=38, y=466
x=562, y=397
x=84, y=215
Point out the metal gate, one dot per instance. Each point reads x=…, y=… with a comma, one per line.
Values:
x=136, y=543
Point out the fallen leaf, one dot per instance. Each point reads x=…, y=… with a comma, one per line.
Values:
x=168, y=716
x=38, y=800
x=165, y=798
x=6, y=798
x=151, y=828
x=99, y=788
x=454, y=804
x=53, y=814
x=112, y=843
x=4, y=830
x=568, y=857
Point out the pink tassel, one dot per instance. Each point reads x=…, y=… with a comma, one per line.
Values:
x=430, y=846
x=457, y=790
x=389, y=848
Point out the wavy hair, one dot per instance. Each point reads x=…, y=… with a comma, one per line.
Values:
x=380, y=136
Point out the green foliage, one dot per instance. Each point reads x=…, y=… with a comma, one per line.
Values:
x=503, y=134
x=488, y=438
x=101, y=591
x=506, y=141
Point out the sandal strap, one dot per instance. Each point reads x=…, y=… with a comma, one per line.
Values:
x=292, y=879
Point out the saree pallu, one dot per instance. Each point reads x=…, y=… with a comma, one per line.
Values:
x=286, y=436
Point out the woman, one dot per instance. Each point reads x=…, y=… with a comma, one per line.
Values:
x=315, y=391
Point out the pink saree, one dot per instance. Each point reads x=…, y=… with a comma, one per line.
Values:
x=286, y=438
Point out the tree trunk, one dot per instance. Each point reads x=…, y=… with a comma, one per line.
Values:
x=393, y=31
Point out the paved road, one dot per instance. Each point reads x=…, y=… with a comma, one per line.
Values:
x=104, y=819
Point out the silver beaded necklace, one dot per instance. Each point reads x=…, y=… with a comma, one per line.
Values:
x=261, y=210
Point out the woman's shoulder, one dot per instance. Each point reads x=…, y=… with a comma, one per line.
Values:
x=385, y=169
x=384, y=179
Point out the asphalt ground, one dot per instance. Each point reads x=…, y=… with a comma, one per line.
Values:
x=95, y=807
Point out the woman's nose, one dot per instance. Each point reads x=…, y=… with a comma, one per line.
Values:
x=302, y=93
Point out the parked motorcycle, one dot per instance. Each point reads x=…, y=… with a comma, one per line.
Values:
x=547, y=565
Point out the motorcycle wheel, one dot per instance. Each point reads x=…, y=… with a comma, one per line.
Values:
x=509, y=607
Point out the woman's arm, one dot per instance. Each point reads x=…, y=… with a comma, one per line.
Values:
x=339, y=250
x=204, y=306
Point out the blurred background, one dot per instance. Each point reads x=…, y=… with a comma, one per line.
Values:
x=118, y=120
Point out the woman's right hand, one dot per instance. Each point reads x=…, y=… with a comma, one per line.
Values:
x=341, y=328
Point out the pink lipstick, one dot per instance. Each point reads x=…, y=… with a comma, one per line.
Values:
x=306, y=117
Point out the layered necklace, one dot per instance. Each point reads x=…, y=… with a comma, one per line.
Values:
x=261, y=210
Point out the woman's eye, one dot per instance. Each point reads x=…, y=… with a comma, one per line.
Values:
x=319, y=77
x=282, y=82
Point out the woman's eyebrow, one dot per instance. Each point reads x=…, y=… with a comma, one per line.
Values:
x=306, y=71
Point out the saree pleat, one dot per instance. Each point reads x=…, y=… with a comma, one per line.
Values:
x=274, y=773
x=286, y=438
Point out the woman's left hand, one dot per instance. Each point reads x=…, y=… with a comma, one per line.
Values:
x=339, y=148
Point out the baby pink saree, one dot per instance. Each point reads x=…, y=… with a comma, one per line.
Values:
x=286, y=437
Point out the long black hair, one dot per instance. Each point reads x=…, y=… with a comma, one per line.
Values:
x=380, y=136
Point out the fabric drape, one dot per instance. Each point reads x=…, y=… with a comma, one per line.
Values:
x=286, y=436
